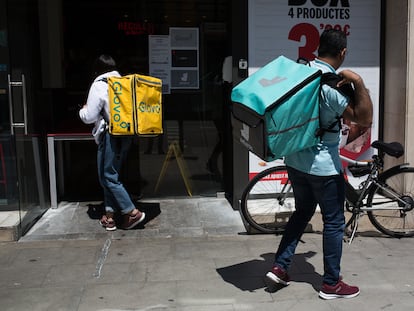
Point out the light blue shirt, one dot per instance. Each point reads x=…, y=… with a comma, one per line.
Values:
x=323, y=159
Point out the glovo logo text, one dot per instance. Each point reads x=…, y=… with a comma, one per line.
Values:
x=143, y=107
x=116, y=110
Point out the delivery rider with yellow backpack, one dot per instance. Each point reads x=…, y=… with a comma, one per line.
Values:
x=112, y=150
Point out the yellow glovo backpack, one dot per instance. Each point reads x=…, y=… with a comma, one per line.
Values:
x=135, y=105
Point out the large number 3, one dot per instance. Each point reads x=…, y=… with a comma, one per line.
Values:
x=311, y=34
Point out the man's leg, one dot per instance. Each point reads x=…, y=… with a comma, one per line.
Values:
x=331, y=200
x=305, y=206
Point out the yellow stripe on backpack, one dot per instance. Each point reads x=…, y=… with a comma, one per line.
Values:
x=135, y=106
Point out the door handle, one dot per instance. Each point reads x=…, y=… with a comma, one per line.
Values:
x=22, y=85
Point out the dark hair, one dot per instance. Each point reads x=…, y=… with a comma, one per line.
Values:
x=102, y=64
x=331, y=43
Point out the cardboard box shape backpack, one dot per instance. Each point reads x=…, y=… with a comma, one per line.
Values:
x=135, y=105
x=275, y=111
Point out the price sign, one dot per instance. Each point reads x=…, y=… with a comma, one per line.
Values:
x=292, y=28
x=311, y=34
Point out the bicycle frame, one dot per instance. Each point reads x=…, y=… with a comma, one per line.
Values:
x=368, y=183
x=392, y=194
x=352, y=196
x=355, y=199
x=285, y=190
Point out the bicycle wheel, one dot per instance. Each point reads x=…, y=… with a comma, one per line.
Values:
x=267, y=202
x=393, y=215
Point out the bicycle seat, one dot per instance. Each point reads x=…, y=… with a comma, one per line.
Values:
x=394, y=149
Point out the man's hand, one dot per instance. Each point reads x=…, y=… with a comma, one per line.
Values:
x=348, y=76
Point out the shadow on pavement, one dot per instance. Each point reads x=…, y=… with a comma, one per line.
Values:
x=242, y=275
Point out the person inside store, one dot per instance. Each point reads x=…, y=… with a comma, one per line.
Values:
x=218, y=114
x=316, y=173
x=112, y=150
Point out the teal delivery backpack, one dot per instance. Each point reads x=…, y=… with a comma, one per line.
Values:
x=275, y=111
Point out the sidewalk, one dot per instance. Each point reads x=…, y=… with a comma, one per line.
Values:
x=193, y=255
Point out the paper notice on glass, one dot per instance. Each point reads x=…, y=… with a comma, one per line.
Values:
x=159, y=60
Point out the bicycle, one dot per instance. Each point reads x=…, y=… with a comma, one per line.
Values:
x=387, y=197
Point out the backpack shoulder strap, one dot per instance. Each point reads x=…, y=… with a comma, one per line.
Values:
x=330, y=129
x=331, y=79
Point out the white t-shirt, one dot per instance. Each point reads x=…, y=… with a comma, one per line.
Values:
x=97, y=102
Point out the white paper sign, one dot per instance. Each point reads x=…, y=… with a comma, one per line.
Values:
x=159, y=60
x=184, y=58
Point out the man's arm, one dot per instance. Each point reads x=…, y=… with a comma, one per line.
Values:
x=360, y=110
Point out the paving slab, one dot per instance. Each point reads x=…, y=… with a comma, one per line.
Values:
x=204, y=262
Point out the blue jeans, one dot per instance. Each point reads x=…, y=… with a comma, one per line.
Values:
x=112, y=152
x=329, y=193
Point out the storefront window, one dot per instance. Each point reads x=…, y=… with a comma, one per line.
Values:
x=188, y=158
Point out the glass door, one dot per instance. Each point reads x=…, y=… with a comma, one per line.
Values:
x=189, y=158
x=22, y=190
